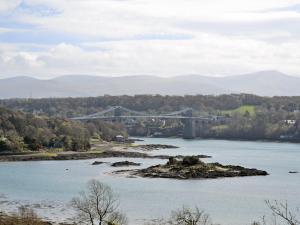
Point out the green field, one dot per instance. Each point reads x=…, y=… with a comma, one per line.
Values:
x=241, y=110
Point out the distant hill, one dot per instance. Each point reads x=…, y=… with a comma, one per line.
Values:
x=265, y=83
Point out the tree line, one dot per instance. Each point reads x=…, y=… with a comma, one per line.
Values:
x=70, y=107
x=273, y=118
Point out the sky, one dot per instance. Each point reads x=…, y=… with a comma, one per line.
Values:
x=49, y=38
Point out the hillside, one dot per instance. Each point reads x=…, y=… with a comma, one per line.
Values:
x=21, y=131
x=265, y=83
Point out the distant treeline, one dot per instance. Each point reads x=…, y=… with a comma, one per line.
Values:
x=251, y=117
x=21, y=131
x=69, y=107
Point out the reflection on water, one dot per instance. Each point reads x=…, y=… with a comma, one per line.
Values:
x=231, y=201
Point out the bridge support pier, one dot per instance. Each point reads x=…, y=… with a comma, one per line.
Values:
x=189, y=131
x=118, y=113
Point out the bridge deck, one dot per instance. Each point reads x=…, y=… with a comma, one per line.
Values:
x=172, y=115
x=149, y=116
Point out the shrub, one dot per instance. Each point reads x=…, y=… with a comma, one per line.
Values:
x=190, y=160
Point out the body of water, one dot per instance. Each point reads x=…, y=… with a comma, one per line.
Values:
x=229, y=201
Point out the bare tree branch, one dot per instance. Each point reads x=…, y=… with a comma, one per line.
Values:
x=98, y=205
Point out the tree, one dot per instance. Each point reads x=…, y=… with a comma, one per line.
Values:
x=3, y=145
x=185, y=216
x=281, y=213
x=98, y=205
x=188, y=216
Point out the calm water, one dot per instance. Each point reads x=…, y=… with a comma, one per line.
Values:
x=233, y=201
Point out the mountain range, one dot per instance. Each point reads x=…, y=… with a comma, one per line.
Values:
x=264, y=83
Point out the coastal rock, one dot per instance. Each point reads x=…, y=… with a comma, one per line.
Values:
x=135, y=139
x=97, y=163
x=125, y=163
x=151, y=147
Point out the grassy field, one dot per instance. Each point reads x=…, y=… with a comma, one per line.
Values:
x=241, y=110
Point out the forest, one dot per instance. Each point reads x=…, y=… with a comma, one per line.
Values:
x=21, y=131
x=70, y=107
x=250, y=117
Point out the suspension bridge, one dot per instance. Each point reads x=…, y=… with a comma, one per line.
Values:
x=117, y=113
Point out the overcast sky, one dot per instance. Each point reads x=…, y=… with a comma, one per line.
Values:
x=47, y=38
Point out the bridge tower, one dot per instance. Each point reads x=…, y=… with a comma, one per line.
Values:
x=189, y=125
x=118, y=113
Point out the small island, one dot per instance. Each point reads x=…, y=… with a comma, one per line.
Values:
x=152, y=147
x=125, y=163
x=97, y=163
x=191, y=167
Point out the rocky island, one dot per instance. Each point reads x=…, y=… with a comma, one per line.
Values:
x=125, y=163
x=152, y=147
x=191, y=167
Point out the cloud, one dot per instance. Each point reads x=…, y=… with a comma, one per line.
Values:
x=8, y=6
x=208, y=54
x=128, y=19
x=160, y=37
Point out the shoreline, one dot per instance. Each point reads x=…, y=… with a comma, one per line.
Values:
x=49, y=212
x=228, y=139
x=111, y=151
x=87, y=155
